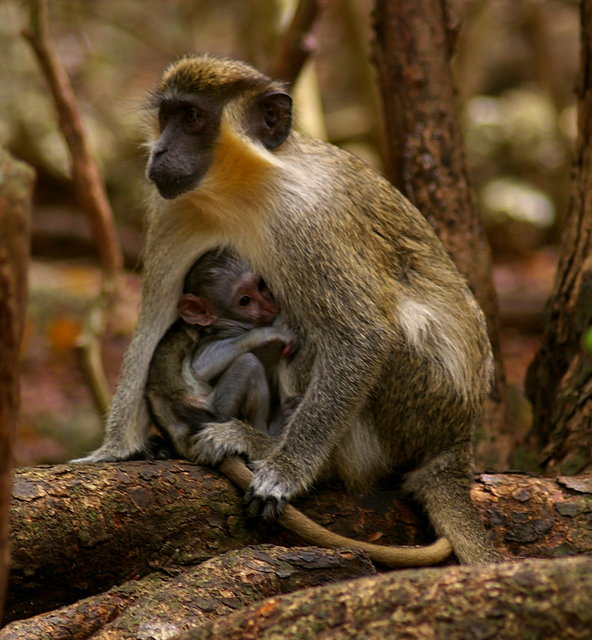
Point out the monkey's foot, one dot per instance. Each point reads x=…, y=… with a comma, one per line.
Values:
x=268, y=508
x=104, y=454
x=217, y=440
x=159, y=447
x=275, y=482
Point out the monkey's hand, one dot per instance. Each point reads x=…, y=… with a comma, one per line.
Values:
x=277, y=334
x=214, y=441
x=288, y=339
x=280, y=334
x=275, y=482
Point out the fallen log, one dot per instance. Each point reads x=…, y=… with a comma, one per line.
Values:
x=163, y=604
x=79, y=530
x=549, y=599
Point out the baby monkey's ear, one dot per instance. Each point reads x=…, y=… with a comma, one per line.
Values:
x=195, y=310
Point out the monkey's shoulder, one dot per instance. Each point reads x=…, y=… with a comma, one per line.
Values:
x=340, y=180
x=179, y=335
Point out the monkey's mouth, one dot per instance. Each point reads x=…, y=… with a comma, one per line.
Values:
x=171, y=187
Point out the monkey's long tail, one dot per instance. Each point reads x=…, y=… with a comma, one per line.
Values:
x=237, y=471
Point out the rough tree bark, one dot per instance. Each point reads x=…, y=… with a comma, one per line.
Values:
x=165, y=603
x=548, y=599
x=79, y=530
x=559, y=380
x=104, y=524
x=425, y=158
x=16, y=185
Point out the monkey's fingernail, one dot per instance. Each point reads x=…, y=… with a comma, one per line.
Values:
x=272, y=508
x=252, y=505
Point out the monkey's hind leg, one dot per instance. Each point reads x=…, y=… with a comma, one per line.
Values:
x=177, y=421
x=442, y=486
x=243, y=392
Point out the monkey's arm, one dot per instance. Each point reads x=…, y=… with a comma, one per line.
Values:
x=294, y=520
x=340, y=378
x=127, y=423
x=169, y=254
x=214, y=358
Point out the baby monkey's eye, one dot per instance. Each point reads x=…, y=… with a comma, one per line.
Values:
x=245, y=301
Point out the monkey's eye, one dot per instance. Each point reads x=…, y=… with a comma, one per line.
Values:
x=193, y=118
x=244, y=301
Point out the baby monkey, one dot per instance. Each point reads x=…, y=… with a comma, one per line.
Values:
x=209, y=367
x=215, y=371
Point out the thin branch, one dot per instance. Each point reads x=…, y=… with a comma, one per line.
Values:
x=91, y=194
x=295, y=44
x=88, y=346
x=85, y=172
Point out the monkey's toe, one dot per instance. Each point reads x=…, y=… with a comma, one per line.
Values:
x=266, y=508
x=159, y=447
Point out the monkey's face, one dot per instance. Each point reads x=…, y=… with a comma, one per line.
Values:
x=197, y=100
x=181, y=156
x=251, y=301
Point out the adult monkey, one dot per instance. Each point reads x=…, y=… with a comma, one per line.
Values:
x=393, y=364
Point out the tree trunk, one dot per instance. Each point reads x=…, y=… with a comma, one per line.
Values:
x=16, y=184
x=79, y=530
x=426, y=161
x=559, y=380
x=549, y=599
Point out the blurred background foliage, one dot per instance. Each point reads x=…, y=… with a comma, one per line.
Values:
x=515, y=66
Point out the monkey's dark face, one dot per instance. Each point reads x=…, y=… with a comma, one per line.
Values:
x=181, y=156
x=192, y=100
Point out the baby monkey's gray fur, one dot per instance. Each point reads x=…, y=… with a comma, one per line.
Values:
x=204, y=369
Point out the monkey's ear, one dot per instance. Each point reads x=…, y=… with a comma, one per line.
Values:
x=272, y=119
x=195, y=310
